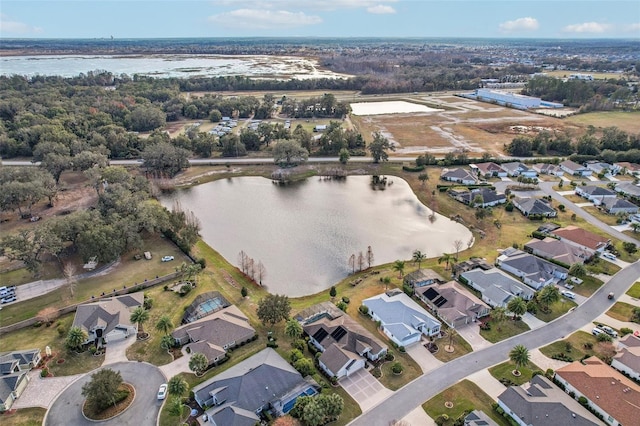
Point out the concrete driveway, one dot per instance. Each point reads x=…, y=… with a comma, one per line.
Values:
x=365, y=389
x=471, y=333
x=423, y=357
x=145, y=378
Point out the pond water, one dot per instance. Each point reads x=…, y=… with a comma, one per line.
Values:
x=304, y=233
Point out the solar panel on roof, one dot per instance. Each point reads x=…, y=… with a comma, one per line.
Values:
x=431, y=293
x=440, y=301
x=320, y=335
x=338, y=333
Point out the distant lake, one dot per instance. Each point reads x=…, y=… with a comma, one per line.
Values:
x=183, y=66
x=304, y=233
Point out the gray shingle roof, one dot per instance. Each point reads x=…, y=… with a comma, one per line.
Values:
x=109, y=312
x=457, y=174
x=497, y=283
x=531, y=266
x=551, y=248
x=9, y=383
x=219, y=329
x=618, y=203
x=533, y=206
x=23, y=357
x=596, y=191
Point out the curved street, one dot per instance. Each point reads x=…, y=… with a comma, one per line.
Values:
x=144, y=411
x=404, y=400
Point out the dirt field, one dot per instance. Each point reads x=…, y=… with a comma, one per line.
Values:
x=596, y=75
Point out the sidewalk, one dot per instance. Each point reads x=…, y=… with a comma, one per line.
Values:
x=42, y=392
x=544, y=362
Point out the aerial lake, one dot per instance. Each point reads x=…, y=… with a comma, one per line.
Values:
x=304, y=233
x=184, y=66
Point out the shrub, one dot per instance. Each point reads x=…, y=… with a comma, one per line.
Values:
x=413, y=169
x=583, y=401
x=603, y=337
x=62, y=330
x=202, y=262
x=508, y=207
x=549, y=373
x=345, y=299
x=44, y=372
x=244, y=291
x=342, y=306
x=299, y=344
x=402, y=349
x=397, y=368
x=166, y=287
x=185, y=289
x=588, y=346
x=625, y=330
x=364, y=310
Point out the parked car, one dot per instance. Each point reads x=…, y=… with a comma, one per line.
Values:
x=596, y=331
x=568, y=294
x=9, y=299
x=610, y=331
x=162, y=392
x=610, y=296
x=609, y=256
x=167, y=258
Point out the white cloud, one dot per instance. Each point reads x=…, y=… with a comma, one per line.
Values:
x=381, y=9
x=263, y=19
x=303, y=4
x=587, y=27
x=633, y=28
x=520, y=24
x=10, y=27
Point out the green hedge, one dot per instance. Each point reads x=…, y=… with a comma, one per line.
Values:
x=413, y=169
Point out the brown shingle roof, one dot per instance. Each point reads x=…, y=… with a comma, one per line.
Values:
x=218, y=329
x=629, y=357
x=108, y=312
x=605, y=387
x=582, y=237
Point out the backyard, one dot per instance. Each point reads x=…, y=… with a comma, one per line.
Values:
x=23, y=417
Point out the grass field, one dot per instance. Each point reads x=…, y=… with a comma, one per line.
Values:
x=556, y=310
x=595, y=75
x=621, y=311
x=627, y=121
x=634, y=291
x=23, y=417
x=504, y=330
x=578, y=345
x=504, y=371
x=466, y=396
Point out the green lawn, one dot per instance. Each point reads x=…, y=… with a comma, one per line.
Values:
x=588, y=287
x=466, y=396
x=634, y=291
x=580, y=344
x=621, y=311
x=556, y=310
x=504, y=330
x=461, y=347
x=23, y=417
x=504, y=371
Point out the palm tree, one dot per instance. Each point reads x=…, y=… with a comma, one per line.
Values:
x=177, y=408
x=446, y=257
x=548, y=296
x=519, y=355
x=517, y=306
x=399, y=266
x=139, y=316
x=76, y=337
x=198, y=363
x=293, y=329
x=167, y=342
x=419, y=257
x=164, y=324
x=499, y=315
x=177, y=386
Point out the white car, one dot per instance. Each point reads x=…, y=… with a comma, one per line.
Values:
x=596, y=331
x=609, y=256
x=610, y=331
x=167, y=258
x=568, y=294
x=162, y=392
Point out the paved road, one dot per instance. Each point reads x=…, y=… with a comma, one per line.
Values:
x=428, y=385
x=146, y=378
x=547, y=188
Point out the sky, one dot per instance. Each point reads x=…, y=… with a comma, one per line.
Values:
x=319, y=18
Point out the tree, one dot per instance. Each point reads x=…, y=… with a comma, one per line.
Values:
x=293, y=329
x=75, y=338
x=344, y=155
x=517, y=306
x=629, y=247
x=177, y=386
x=352, y=263
x=273, y=308
x=578, y=270
x=379, y=147
x=164, y=159
x=635, y=227
x=418, y=257
x=548, y=296
x=289, y=152
x=457, y=245
x=198, y=363
x=446, y=257
x=304, y=366
x=164, y=324
x=398, y=265
x=369, y=256
x=360, y=261
x=139, y=316
x=177, y=408
x=69, y=275
x=261, y=272
x=499, y=315
x=423, y=178
x=519, y=355
x=332, y=291
x=244, y=292
x=167, y=342
x=102, y=389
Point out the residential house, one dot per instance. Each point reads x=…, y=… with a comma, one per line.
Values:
x=629, y=341
x=496, y=287
x=262, y=382
x=14, y=367
x=516, y=169
x=629, y=168
x=453, y=304
x=575, y=169
x=533, y=271
x=488, y=170
x=458, y=175
x=582, y=238
x=602, y=168
x=619, y=206
x=215, y=334
x=541, y=403
x=558, y=251
x=109, y=318
x=628, y=189
x=595, y=194
x=468, y=265
x=401, y=319
x=478, y=418
x=422, y=277
x=548, y=169
x=627, y=360
x=606, y=390
x=479, y=197
x=534, y=207
x=345, y=344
